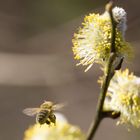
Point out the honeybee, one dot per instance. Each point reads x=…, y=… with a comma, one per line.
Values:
x=45, y=113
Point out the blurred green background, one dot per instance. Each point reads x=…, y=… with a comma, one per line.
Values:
x=36, y=63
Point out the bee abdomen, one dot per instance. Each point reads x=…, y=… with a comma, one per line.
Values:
x=42, y=116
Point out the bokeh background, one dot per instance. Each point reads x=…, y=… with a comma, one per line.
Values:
x=36, y=63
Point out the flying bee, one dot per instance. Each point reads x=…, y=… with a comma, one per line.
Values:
x=44, y=113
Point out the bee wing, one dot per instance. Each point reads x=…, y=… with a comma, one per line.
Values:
x=31, y=111
x=58, y=106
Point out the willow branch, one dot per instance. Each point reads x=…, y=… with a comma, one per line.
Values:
x=99, y=114
x=99, y=111
x=109, y=7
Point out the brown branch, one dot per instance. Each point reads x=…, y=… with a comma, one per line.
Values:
x=99, y=111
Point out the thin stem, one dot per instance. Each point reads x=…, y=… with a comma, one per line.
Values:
x=99, y=111
x=114, y=24
x=99, y=115
x=111, y=114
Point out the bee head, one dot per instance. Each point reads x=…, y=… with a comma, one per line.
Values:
x=47, y=105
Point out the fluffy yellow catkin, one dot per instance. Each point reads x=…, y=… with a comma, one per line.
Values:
x=124, y=96
x=91, y=44
x=61, y=131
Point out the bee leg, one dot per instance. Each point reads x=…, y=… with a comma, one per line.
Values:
x=52, y=118
x=48, y=122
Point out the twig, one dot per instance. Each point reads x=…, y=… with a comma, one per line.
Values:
x=109, y=7
x=99, y=112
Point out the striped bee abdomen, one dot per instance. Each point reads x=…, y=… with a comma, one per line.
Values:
x=42, y=116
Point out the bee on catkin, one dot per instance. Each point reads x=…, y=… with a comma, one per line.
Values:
x=44, y=113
